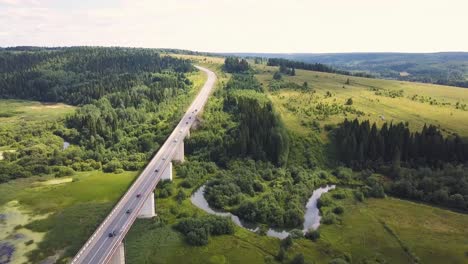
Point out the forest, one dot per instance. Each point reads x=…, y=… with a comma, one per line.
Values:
x=129, y=98
x=424, y=165
x=78, y=76
x=285, y=63
x=359, y=144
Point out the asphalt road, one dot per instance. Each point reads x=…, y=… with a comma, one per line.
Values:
x=100, y=247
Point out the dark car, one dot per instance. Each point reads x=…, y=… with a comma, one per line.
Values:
x=190, y=117
x=139, y=195
x=128, y=211
x=156, y=170
x=186, y=123
x=113, y=233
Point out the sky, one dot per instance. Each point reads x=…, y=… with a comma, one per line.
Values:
x=309, y=26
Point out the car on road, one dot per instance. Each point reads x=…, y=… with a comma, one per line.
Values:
x=180, y=131
x=113, y=233
x=189, y=117
x=156, y=170
x=175, y=140
x=186, y=123
x=128, y=211
x=139, y=195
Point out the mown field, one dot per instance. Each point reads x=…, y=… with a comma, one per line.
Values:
x=418, y=103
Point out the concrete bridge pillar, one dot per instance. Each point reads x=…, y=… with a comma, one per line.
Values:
x=119, y=255
x=179, y=155
x=167, y=172
x=147, y=211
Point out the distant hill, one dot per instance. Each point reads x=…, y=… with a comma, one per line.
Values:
x=449, y=68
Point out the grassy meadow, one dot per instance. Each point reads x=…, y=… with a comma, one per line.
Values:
x=298, y=108
x=15, y=111
x=395, y=231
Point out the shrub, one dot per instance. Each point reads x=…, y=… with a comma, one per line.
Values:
x=281, y=254
x=329, y=219
x=277, y=75
x=287, y=242
x=313, y=235
x=338, y=210
x=62, y=171
x=339, y=195
x=197, y=230
x=358, y=195
x=296, y=233
x=197, y=237
x=112, y=166
x=298, y=259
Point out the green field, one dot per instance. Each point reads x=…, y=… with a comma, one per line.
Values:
x=59, y=207
x=431, y=234
x=14, y=111
x=297, y=107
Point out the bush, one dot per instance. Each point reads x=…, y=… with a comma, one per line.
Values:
x=338, y=210
x=181, y=196
x=281, y=254
x=197, y=237
x=296, y=233
x=277, y=76
x=298, y=259
x=63, y=171
x=329, y=219
x=287, y=242
x=112, y=166
x=198, y=230
x=358, y=195
x=313, y=235
x=339, y=195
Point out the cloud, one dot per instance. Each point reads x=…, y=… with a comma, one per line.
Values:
x=242, y=25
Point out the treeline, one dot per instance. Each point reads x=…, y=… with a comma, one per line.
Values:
x=360, y=145
x=198, y=230
x=80, y=75
x=235, y=65
x=311, y=67
x=446, y=186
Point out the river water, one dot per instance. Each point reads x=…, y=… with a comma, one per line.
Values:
x=311, y=216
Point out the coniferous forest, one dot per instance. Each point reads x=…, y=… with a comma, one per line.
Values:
x=124, y=110
x=423, y=165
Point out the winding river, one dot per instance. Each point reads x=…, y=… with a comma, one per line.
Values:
x=311, y=216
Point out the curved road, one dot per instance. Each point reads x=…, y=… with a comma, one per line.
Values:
x=100, y=247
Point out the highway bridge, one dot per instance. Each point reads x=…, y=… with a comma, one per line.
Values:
x=106, y=244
